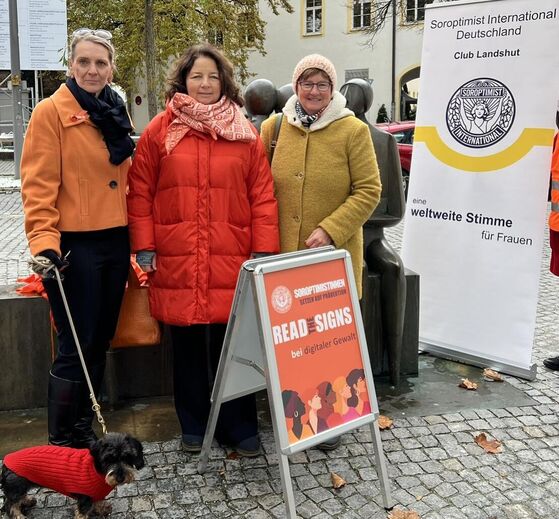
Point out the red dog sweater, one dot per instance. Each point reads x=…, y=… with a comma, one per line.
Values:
x=66, y=470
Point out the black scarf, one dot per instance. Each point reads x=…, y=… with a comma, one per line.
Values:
x=108, y=113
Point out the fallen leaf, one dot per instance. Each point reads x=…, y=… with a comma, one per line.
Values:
x=337, y=481
x=384, y=422
x=492, y=375
x=468, y=384
x=233, y=455
x=403, y=514
x=491, y=446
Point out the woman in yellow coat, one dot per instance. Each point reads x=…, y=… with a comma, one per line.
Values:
x=325, y=171
x=326, y=178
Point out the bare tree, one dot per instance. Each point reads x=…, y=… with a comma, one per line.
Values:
x=383, y=10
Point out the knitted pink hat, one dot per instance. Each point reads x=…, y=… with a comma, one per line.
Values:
x=314, y=61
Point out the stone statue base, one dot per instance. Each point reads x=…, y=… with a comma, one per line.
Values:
x=372, y=322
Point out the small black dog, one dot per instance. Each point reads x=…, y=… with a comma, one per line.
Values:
x=87, y=475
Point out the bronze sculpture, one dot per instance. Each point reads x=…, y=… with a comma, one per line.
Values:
x=380, y=257
x=260, y=100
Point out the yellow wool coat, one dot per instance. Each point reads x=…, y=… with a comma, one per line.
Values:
x=325, y=176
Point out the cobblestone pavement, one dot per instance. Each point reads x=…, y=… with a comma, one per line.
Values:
x=435, y=467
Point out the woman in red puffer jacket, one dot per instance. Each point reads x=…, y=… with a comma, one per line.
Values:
x=201, y=202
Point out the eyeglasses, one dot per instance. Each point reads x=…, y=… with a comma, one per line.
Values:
x=84, y=31
x=322, y=86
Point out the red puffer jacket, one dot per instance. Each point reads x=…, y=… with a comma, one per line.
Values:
x=203, y=208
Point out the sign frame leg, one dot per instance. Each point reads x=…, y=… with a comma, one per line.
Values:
x=219, y=387
x=287, y=487
x=382, y=469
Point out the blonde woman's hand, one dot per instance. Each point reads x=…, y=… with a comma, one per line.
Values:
x=318, y=238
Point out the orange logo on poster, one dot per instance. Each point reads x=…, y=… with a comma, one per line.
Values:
x=281, y=299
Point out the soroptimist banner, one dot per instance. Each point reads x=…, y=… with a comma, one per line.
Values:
x=317, y=349
x=476, y=210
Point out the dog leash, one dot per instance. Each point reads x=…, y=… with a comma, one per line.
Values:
x=48, y=267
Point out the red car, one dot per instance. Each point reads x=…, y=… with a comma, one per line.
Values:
x=403, y=133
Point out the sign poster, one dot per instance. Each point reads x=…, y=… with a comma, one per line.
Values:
x=317, y=349
x=42, y=34
x=476, y=212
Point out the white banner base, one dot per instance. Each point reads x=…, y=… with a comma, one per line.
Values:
x=467, y=358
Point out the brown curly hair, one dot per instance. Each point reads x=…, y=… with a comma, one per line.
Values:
x=177, y=79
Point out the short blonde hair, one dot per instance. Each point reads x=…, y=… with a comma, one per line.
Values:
x=93, y=39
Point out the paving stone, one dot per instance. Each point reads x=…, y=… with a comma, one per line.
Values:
x=518, y=511
x=435, y=454
x=451, y=513
x=446, y=490
x=258, y=513
x=408, y=482
x=258, y=488
x=416, y=455
x=459, y=426
x=318, y=494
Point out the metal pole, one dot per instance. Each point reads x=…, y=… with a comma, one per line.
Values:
x=36, y=93
x=16, y=86
x=393, y=102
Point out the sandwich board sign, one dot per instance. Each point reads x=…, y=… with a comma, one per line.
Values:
x=295, y=329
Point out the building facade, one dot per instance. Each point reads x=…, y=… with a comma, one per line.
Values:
x=338, y=30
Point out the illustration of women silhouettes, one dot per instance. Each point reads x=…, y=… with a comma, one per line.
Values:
x=314, y=404
x=294, y=410
x=343, y=393
x=358, y=402
x=327, y=416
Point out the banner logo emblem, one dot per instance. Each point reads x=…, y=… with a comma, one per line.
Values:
x=480, y=113
x=281, y=299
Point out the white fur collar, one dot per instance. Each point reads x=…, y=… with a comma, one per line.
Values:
x=334, y=111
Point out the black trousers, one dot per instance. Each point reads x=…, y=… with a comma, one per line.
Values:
x=94, y=285
x=196, y=351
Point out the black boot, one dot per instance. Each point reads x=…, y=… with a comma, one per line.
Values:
x=83, y=434
x=62, y=409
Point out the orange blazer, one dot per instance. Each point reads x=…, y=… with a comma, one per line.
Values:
x=67, y=181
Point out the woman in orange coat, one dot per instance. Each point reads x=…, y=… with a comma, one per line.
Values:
x=201, y=202
x=74, y=166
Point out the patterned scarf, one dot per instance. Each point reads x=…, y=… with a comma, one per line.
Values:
x=304, y=117
x=222, y=119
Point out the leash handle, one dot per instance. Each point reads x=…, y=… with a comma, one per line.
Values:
x=96, y=407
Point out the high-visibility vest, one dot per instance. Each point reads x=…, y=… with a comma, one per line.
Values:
x=554, y=214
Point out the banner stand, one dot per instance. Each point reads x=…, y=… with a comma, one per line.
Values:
x=248, y=361
x=481, y=362
x=478, y=194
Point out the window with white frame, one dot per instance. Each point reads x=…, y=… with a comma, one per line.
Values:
x=313, y=16
x=215, y=37
x=415, y=10
x=361, y=14
x=246, y=22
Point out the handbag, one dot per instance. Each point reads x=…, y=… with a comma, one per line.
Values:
x=136, y=326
